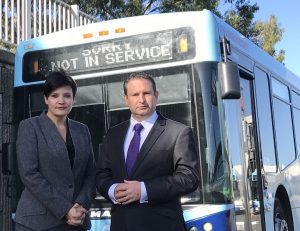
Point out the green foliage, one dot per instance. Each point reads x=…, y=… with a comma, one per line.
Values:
x=264, y=34
x=8, y=47
x=268, y=34
x=111, y=9
x=188, y=5
x=280, y=56
x=241, y=17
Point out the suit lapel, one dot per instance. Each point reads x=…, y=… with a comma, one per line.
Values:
x=76, y=141
x=157, y=129
x=120, y=146
x=55, y=141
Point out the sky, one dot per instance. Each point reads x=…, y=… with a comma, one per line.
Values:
x=288, y=16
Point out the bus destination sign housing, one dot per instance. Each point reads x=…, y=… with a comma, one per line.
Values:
x=143, y=49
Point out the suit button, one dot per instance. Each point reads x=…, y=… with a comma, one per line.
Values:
x=70, y=185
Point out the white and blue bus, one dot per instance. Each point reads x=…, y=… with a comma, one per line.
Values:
x=243, y=107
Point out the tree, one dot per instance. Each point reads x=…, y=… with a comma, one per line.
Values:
x=111, y=9
x=265, y=34
x=7, y=47
x=188, y=5
x=241, y=16
x=268, y=34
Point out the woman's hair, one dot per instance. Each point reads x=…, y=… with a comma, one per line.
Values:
x=57, y=79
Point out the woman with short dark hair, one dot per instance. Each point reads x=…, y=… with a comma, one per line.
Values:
x=56, y=164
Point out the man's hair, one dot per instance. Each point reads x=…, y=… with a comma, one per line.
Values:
x=139, y=75
x=57, y=79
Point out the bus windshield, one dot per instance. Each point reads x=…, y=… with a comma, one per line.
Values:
x=99, y=104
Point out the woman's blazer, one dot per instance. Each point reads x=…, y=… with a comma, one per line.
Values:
x=52, y=186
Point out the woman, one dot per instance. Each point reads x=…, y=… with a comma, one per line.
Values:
x=56, y=164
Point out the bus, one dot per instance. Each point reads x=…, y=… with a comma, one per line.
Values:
x=242, y=105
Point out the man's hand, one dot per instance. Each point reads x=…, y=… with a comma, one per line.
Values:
x=76, y=215
x=128, y=192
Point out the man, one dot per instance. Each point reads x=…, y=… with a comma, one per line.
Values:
x=145, y=185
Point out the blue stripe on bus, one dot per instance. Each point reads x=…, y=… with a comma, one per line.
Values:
x=100, y=225
x=205, y=210
x=221, y=217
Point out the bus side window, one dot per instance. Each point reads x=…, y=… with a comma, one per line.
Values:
x=263, y=102
x=296, y=113
x=283, y=124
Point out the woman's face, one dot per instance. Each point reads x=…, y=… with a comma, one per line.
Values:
x=60, y=102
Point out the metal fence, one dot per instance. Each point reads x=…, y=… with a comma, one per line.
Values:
x=25, y=19
x=8, y=180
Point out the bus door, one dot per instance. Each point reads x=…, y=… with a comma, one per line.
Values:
x=240, y=126
x=246, y=175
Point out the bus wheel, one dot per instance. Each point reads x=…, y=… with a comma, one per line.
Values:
x=280, y=218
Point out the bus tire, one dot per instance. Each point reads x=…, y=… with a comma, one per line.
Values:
x=282, y=219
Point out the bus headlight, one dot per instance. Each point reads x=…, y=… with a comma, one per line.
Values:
x=207, y=227
x=193, y=229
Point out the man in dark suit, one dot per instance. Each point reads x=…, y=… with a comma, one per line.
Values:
x=145, y=187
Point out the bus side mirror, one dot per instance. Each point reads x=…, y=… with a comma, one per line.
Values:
x=229, y=80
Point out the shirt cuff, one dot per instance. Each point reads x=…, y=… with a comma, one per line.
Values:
x=144, y=196
x=111, y=193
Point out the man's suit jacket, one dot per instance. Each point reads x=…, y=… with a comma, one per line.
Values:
x=168, y=164
x=51, y=185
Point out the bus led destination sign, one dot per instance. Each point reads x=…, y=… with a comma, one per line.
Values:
x=142, y=49
x=135, y=50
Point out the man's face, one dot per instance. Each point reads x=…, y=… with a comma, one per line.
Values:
x=141, y=98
